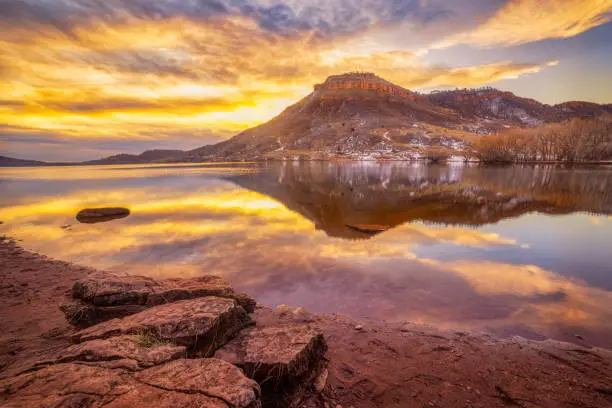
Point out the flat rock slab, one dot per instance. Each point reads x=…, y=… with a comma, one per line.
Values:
x=201, y=324
x=171, y=290
x=105, y=296
x=289, y=350
x=128, y=352
x=209, y=376
x=110, y=290
x=207, y=383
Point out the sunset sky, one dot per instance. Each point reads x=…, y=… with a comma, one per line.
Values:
x=82, y=79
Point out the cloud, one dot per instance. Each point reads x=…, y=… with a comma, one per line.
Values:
x=322, y=17
x=524, y=21
x=29, y=143
x=479, y=74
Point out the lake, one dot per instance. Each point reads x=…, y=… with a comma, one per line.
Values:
x=520, y=250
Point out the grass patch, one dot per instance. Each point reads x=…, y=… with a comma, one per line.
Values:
x=149, y=340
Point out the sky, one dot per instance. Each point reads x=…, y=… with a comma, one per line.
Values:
x=83, y=79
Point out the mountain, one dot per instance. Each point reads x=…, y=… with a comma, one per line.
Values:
x=362, y=116
x=345, y=114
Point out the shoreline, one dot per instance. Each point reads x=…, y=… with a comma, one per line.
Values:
x=333, y=160
x=371, y=364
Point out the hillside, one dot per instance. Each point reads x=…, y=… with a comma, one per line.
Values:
x=362, y=116
x=346, y=115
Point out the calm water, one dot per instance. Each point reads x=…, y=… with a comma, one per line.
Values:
x=516, y=250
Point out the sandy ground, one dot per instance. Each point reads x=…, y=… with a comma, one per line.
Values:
x=370, y=364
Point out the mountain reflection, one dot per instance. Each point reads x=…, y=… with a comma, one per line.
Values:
x=358, y=200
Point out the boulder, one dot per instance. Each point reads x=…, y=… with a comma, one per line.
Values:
x=207, y=383
x=284, y=359
x=93, y=215
x=202, y=324
x=106, y=296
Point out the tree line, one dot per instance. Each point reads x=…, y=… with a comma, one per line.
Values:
x=577, y=140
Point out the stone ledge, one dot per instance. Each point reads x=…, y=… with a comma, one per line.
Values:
x=201, y=324
x=104, y=296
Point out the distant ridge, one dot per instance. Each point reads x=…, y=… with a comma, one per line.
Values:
x=149, y=156
x=12, y=162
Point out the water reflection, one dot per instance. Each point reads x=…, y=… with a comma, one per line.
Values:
x=469, y=247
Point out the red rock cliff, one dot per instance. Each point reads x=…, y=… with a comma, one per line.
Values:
x=367, y=81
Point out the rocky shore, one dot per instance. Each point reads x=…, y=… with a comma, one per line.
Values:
x=75, y=337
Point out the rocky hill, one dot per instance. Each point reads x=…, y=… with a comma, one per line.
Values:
x=493, y=104
x=353, y=115
x=584, y=109
x=362, y=116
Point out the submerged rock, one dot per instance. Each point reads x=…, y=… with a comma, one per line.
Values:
x=93, y=215
x=201, y=324
x=369, y=228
